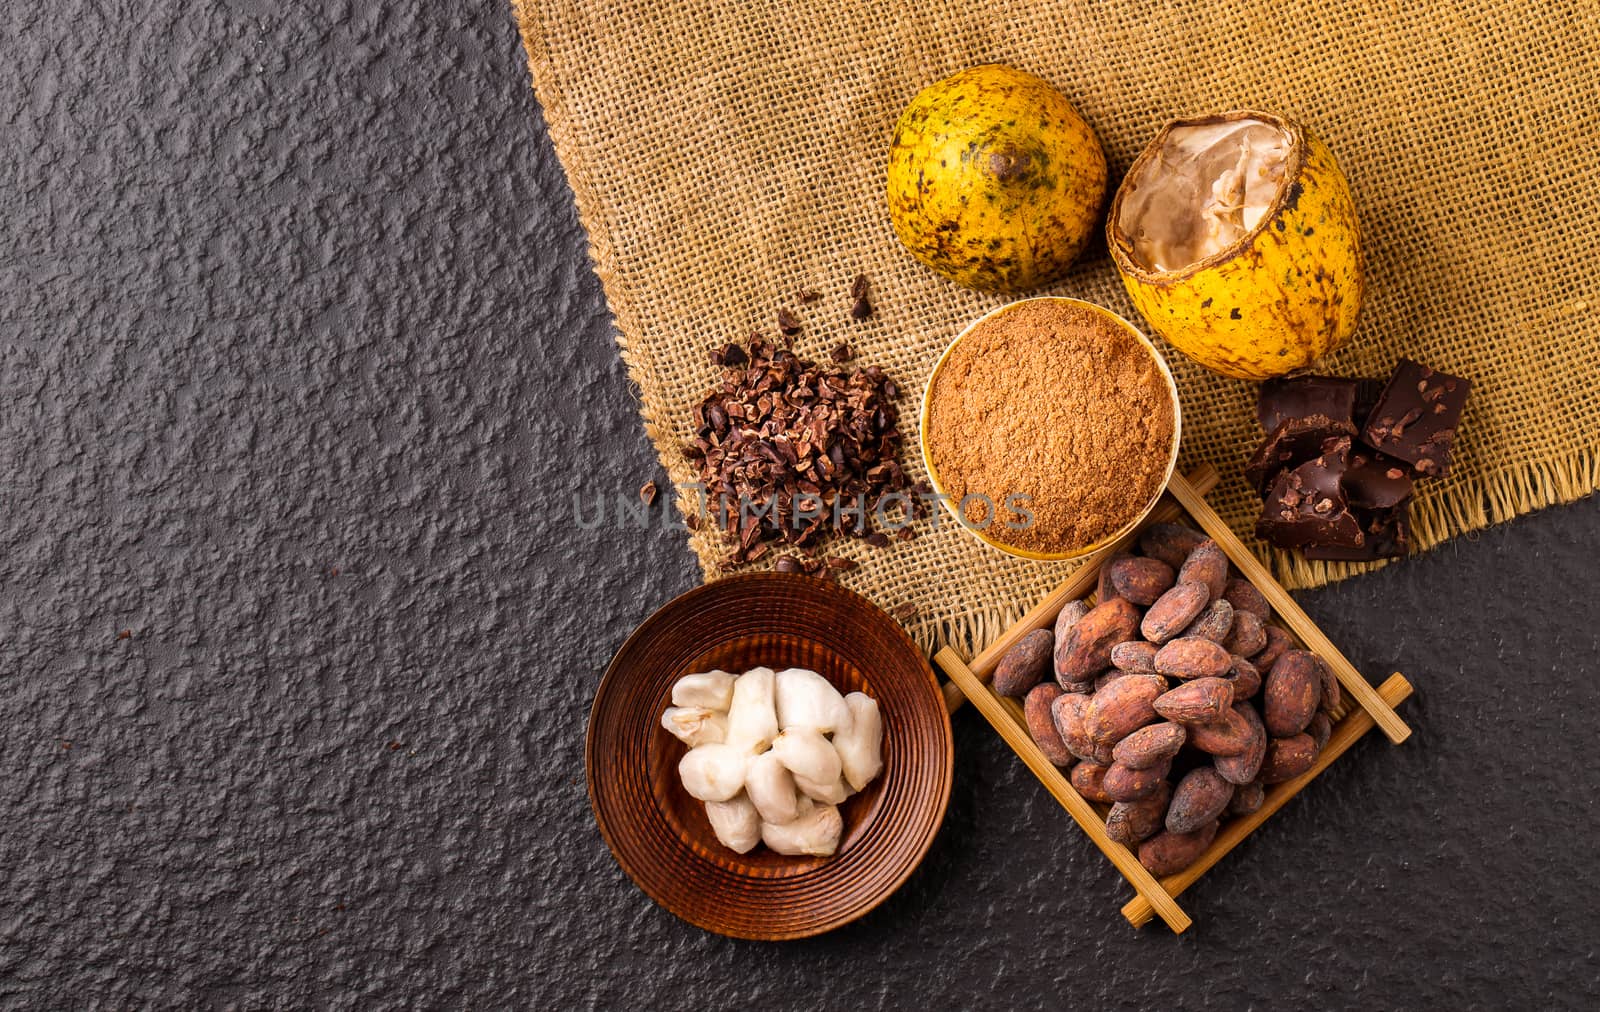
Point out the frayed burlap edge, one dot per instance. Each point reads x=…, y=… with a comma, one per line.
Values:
x=967, y=631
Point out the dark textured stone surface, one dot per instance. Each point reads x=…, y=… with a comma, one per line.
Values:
x=303, y=364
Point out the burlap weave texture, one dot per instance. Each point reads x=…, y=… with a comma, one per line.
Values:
x=725, y=155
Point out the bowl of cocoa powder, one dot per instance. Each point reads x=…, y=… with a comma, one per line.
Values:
x=1050, y=427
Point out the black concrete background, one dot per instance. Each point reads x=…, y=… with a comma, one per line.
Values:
x=303, y=363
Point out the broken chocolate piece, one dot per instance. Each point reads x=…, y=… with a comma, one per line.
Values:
x=1306, y=505
x=1293, y=442
x=1376, y=481
x=1387, y=536
x=1334, y=501
x=1415, y=418
x=1306, y=397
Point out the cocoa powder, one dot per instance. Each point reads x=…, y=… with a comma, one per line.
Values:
x=1052, y=401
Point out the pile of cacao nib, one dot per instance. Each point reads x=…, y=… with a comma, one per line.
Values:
x=1335, y=472
x=782, y=429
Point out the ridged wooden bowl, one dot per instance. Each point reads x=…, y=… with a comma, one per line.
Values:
x=659, y=833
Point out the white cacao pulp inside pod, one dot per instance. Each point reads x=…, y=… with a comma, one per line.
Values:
x=1207, y=188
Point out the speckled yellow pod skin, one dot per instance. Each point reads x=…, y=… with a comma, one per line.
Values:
x=995, y=180
x=1284, y=296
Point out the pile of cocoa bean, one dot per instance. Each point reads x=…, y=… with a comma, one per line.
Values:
x=1174, y=698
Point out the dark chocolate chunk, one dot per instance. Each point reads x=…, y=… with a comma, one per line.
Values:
x=1415, y=418
x=1293, y=442
x=1306, y=397
x=1387, y=535
x=1306, y=505
x=1376, y=481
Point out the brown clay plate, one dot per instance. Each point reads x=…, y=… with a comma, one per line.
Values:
x=660, y=835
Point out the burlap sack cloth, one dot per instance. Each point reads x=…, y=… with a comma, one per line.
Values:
x=727, y=154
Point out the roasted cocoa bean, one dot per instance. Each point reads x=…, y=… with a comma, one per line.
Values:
x=1036, y=710
x=1024, y=664
x=1112, y=674
x=1320, y=729
x=1206, y=565
x=1244, y=596
x=1086, y=649
x=1247, y=799
x=1067, y=713
x=1202, y=701
x=1132, y=821
x=1173, y=612
x=1227, y=737
x=1140, y=580
x=1290, y=693
x=1278, y=643
x=1171, y=543
x=1243, y=767
x=1248, y=635
x=1122, y=707
x=1168, y=853
x=1192, y=657
x=1201, y=796
x=1104, y=589
x=1214, y=623
x=1068, y=617
x=1148, y=746
x=1287, y=758
x=1331, y=696
x=1126, y=783
x=1135, y=657
x=1245, y=677
x=1088, y=779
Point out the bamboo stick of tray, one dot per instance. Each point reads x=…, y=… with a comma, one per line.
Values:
x=1004, y=721
x=1193, y=500
x=1083, y=579
x=1356, y=723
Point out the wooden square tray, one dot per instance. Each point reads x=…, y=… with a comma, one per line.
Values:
x=1362, y=707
